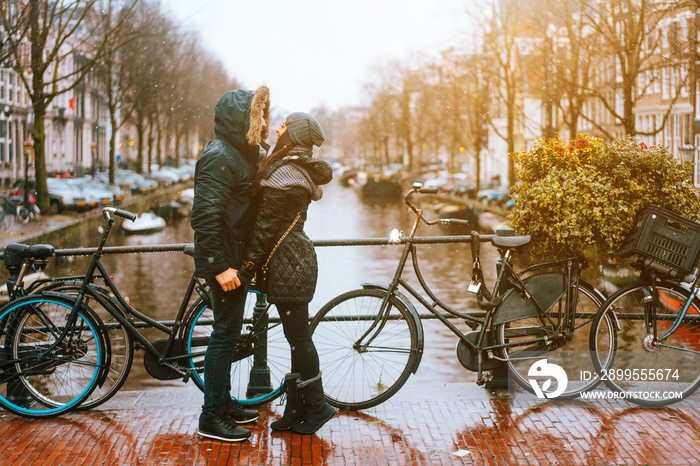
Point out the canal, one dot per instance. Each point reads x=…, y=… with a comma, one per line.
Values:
x=156, y=282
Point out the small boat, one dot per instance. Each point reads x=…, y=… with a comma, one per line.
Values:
x=145, y=223
x=461, y=212
x=379, y=186
x=172, y=209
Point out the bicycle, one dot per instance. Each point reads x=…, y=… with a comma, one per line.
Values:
x=652, y=356
x=371, y=339
x=261, y=357
x=27, y=210
x=6, y=215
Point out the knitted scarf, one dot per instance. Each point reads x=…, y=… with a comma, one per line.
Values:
x=290, y=175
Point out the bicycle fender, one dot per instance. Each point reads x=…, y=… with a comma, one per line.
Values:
x=414, y=313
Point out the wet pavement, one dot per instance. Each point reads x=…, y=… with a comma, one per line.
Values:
x=445, y=424
x=442, y=425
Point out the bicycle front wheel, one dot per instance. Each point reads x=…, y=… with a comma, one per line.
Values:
x=553, y=338
x=45, y=373
x=366, y=353
x=261, y=358
x=120, y=351
x=647, y=371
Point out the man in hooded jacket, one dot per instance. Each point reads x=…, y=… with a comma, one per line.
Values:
x=222, y=219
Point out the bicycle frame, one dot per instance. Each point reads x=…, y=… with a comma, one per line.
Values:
x=505, y=271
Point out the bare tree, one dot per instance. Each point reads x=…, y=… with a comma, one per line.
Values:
x=629, y=50
x=61, y=33
x=110, y=72
x=501, y=50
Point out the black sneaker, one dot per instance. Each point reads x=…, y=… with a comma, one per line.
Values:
x=220, y=426
x=236, y=412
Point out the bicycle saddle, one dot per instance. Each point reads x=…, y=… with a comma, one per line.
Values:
x=25, y=251
x=511, y=242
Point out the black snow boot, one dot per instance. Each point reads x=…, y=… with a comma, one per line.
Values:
x=316, y=410
x=294, y=409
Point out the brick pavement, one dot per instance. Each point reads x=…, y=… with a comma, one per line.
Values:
x=462, y=425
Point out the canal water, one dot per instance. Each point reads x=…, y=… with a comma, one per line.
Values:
x=156, y=282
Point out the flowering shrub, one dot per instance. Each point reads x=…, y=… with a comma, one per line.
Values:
x=585, y=193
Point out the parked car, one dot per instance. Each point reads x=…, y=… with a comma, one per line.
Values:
x=97, y=184
x=61, y=197
x=138, y=184
x=163, y=176
x=496, y=196
x=463, y=188
x=98, y=193
x=185, y=171
x=72, y=197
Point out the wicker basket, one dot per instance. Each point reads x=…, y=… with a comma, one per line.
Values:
x=663, y=241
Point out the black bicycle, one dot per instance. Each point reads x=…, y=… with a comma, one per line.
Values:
x=39, y=328
x=371, y=339
x=651, y=358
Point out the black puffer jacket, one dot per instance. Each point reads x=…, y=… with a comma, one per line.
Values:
x=222, y=213
x=293, y=269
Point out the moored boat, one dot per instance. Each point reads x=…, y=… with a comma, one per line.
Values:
x=145, y=223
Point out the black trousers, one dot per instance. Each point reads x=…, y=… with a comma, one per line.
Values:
x=295, y=322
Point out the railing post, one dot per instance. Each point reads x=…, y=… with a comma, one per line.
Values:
x=16, y=391
x=259, y=381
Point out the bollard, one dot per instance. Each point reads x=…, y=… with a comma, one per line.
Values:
x=259, y=381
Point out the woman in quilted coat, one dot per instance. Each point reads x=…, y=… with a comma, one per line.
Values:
x=285, y=185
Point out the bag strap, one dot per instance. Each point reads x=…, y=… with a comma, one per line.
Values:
x=282, y=239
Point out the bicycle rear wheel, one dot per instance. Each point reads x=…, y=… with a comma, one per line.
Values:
x=359, y=374
x=534, y=338
x=631, y=363
x=262, y=356
x=120, y=351
x=22, y=214
x=44, y=375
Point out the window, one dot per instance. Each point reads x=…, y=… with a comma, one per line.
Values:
x=673, y=38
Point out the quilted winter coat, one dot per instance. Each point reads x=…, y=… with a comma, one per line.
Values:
x=293, y=269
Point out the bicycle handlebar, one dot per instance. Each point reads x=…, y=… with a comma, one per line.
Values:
x=109, y=211
x=419, y=189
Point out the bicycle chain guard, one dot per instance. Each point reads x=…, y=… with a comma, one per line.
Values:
x=152, y=362
x=468, y=356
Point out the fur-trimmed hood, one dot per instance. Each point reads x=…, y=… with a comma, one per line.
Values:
x=238, y=117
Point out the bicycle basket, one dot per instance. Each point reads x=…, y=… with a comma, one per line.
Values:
x=663, y=241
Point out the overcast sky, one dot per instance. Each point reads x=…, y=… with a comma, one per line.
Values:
x=321, y=52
